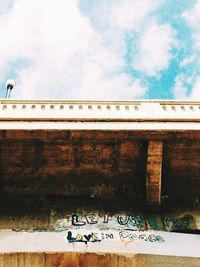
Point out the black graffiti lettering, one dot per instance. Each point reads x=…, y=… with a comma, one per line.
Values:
x=93, y=237
x=128, y=229
x=109, y=236
x=160, y=239
x=152, y=238
x=130, y=235
x=87, y=237
x=70, y=238
x=140, y=230
x=133, y=236
x=106, y=218
x=76, y=222
x=143, y=237
x=123, y=219
x=91, y=219
x=123, y=234
x=135, y=221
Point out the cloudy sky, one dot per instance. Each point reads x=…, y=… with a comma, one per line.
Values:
x=100, y=49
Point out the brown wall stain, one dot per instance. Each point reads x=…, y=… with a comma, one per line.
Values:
x=98, y=164
x=93, y=260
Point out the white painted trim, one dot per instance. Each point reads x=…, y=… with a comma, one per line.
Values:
x=175, y=244
x=115, y=126
x=99, y=110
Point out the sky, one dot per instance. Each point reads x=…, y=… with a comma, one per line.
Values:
x=100, y=49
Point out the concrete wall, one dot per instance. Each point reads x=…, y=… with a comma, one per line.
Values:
x=57, y=156
x=93, y=260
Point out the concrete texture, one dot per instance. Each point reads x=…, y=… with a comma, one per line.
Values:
x=83, y=166
x=93, y=239
x=94, y=260
x=74, y=170
x=100, y=165
x=154, y=170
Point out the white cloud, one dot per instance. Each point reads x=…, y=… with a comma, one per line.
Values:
x=180, y=90
x=154, y=49
x=131, y=14
x=5, y=5
x=152, y=41
x=188, y=60
x=192, y=15
x=195, y=94
x=67, y=56
x=193, y=19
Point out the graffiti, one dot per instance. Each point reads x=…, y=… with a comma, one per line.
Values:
x=87, y=219
x=131, y=235
x=124, y=235
x=181, y=223
x=91, y=219
x=76, y=222
x=135, y=221
x=123, y=220
x=92, y=237
x=112, y=221
x=127, y=228
x=107, y=236
x=85, y=238
x=107, y=218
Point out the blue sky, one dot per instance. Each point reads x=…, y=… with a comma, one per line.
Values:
x=100, y=49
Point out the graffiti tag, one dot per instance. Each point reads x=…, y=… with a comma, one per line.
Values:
x=131, y=235
x=85, y=238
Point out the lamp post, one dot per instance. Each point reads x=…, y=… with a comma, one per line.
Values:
x=9, y=86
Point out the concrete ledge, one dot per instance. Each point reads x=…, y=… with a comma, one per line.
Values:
x=96, y=125
x=99, y=110
x=168, y=244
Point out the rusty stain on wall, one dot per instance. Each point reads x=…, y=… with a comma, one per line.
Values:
x=93, y=260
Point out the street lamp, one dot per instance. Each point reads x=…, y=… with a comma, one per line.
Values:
x=9, y=86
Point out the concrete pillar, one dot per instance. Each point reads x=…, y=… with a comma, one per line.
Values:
x=154, y=171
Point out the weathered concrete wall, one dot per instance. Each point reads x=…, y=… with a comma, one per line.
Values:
x=47, y=177
x=181, y=169
x=99, y=164
x=84, y=166
x=41, y=213
x=93, y=260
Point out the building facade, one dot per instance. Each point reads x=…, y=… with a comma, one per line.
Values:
x=100, y=183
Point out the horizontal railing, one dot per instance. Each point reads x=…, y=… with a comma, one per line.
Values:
x=98, y=110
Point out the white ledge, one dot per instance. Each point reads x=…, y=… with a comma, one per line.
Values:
x=175, y=244
x=64, y=110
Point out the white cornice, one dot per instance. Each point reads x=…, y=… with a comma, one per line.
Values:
x=99, y=110
x=89, y=114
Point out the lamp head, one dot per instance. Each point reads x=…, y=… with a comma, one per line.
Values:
x=10, y=84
